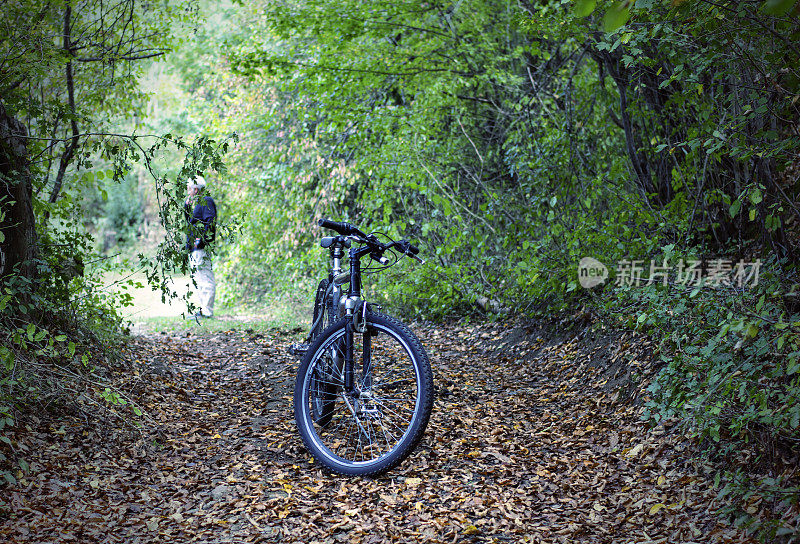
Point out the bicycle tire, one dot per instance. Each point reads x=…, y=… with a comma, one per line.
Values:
x=323, y=393
x=374, y=432
x=321, y=305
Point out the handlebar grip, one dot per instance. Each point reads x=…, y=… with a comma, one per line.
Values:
x=413, y=249
x=345, y=229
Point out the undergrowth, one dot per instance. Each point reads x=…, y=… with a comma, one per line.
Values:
x=59, y=335
x=730, y=376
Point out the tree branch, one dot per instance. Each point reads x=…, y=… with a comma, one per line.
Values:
x=158, y=53
x=66, y=158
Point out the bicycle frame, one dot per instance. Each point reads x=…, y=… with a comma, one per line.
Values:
x=337, y=277
x=353, y=302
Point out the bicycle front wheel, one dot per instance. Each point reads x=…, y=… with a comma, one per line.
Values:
x=371, y=429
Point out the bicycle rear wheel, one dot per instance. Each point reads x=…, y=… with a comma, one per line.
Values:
x=322, y=305
x=374, y=428
x=323, y=392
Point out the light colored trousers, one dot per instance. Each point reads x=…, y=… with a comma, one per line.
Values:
x=203, y=275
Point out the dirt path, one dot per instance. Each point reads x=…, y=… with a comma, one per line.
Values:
x=531, y=441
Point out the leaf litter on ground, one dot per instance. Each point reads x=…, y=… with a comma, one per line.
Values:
x=533, y=439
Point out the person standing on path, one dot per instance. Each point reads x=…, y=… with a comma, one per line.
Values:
x=201, y=215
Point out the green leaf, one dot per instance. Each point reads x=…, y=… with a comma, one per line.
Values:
x=755, y=196
x=584, y=7
x=778, y=7
x=734, y=209
x=572, y=286
x=616, y=16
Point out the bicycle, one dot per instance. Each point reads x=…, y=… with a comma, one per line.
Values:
x=364, y=389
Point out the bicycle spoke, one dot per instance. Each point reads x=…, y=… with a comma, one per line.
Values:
x=365, y=428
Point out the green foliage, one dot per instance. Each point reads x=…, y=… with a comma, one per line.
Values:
x=49, y=334
x=618, y=13
x=117, y=210
x=419, y=120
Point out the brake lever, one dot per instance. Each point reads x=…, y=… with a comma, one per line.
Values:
x=405, y=247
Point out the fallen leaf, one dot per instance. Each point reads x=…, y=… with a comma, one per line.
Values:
x=656, y=507
x=471, y=530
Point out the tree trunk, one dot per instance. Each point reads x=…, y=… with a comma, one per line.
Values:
x=18, y=247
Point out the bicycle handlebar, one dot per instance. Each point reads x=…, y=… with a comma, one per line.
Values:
x=346, y=229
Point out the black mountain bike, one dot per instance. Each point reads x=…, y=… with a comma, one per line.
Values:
x=364, y=389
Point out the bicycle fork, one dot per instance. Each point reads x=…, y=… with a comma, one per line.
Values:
x=349, y=348
x=356, y=322
x=359, y=399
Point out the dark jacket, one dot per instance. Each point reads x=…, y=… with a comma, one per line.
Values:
x=202, y=223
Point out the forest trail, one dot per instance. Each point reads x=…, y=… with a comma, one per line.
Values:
x=532, y=440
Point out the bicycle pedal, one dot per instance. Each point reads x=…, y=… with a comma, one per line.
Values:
x=298, y=350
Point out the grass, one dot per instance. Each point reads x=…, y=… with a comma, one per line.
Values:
x=148, y=313
x=256, y=319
